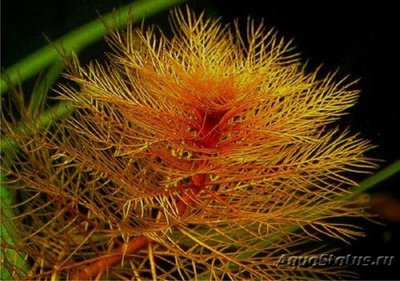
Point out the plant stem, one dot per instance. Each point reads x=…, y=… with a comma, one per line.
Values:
x=365, y=185
x=133, y=246
x=82, y=37
x=41, y=89
x=210, y=137
x=53, y=114
x=376, y=178
x=98, y=267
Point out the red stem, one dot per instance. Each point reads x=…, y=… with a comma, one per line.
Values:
x=97, y=268
x=210, y=135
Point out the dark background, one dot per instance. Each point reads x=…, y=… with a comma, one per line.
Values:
x=357, y=37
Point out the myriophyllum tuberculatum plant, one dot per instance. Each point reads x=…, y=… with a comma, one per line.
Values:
x=192, y=156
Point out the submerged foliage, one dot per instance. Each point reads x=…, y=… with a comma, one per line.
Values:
x=186, y=157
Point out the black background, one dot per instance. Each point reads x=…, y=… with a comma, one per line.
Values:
x=357, y=37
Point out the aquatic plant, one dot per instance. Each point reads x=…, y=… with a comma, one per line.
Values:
x=204, y=155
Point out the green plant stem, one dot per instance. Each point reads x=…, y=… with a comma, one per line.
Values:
x=365, y=185
x=55, y=113
x=82, y=37
x=41, y=89
x=375, y=179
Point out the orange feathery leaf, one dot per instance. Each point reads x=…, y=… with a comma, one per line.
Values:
x=187, y=157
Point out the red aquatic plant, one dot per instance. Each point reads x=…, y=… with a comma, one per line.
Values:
x=187, y=157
